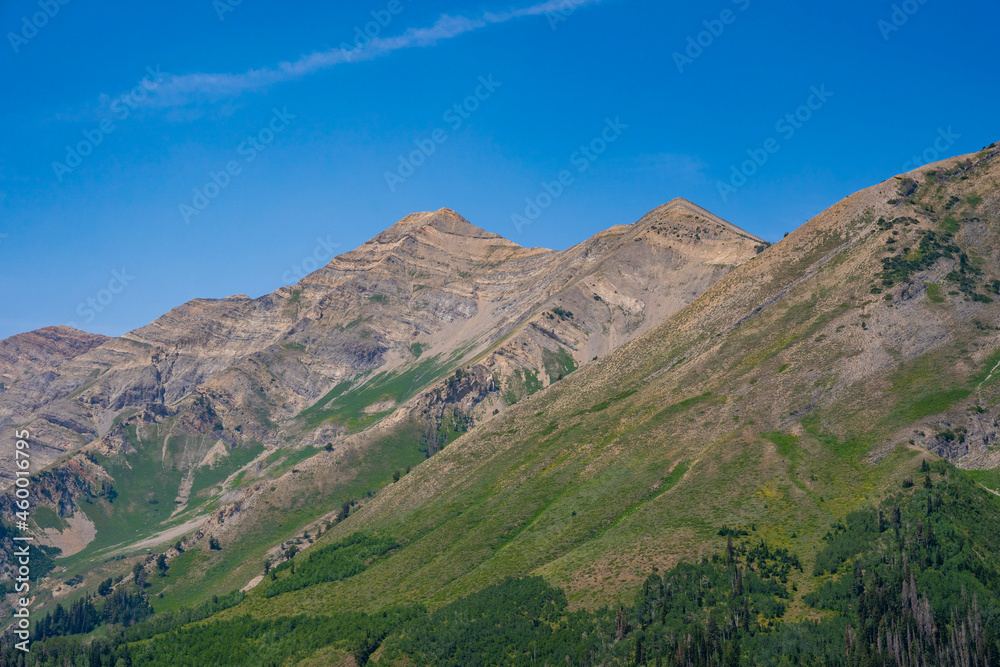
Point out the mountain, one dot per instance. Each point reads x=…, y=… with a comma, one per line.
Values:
x=380, y=357
x=671, y=444
x=796, y=388
x=431, y=285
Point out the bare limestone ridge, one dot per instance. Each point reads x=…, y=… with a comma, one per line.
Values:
x=427, y=330
x=26, y=358
x=28, y=353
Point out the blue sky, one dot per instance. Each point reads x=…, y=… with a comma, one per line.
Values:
x=154, y=153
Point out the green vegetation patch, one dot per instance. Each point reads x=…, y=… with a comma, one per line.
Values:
x=604, y=405
x=674, y=618
x=347, y=407
x=921, y=389
x=916, y=578
x=850, y=448
x=283, y=641
x=857, y=533
x=237, y=457
x=934, y=293
x=677, y=408
x=523, y=383
x=341, y=560
x=558, y=364
x=46, y=517
x=925, y=574
x=296, y=456
x=146, y=483
x=219, y=571
x=988, y=478
x=931, y=247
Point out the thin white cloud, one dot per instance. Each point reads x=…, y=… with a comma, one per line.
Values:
x=184, y=89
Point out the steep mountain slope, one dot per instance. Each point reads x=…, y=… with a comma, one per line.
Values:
x=799, y=387
x=365, y=367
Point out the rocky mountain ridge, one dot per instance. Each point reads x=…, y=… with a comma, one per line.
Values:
x=431, y=327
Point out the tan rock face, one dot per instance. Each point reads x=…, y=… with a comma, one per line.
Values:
x=31, y=352
x=27, y=367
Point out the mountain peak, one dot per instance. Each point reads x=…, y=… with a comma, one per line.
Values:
x=444, y=221
x=681, y=204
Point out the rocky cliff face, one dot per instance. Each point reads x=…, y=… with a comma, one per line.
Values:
x=28, y=368
x=27, y=354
